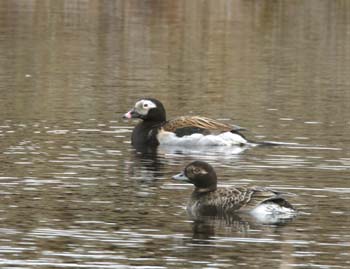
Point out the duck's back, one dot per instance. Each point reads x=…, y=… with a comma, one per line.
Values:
x=199, y=131
x=197, y=124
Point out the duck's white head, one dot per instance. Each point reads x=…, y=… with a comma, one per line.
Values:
x=148, y=109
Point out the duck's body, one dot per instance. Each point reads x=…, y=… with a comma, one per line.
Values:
x=154, y=129
x=208, y=198
x=237, y=199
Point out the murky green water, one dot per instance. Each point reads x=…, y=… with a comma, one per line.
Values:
x=75, y=194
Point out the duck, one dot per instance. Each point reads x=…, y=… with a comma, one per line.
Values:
x=154, y=129
x=207, y=198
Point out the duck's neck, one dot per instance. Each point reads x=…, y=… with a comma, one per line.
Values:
x=204, y=190
x=151, y=124
x=148, y=122
x=145, y=133
x=154, y=116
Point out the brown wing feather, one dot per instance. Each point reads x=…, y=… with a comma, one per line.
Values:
x=198, y=122
x=240, y=198
x=258, y=195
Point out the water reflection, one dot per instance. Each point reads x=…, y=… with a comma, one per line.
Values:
x=147, y=164
x=150, y=162
x=202, y=152
x=74, y=193
x=204, y=226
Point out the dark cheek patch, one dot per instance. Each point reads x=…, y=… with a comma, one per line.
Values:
x=189, y=172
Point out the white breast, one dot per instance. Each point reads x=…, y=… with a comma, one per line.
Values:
x=224, y=139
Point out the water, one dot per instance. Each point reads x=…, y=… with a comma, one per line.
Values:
x=75, y=194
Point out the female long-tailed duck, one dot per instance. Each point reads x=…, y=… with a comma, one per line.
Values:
x=207, y=197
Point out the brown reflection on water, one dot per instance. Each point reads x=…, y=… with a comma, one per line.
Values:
x=72, y=189
x=236, y=53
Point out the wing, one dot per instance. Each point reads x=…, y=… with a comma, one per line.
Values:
x=247, y=198
x=195, y=124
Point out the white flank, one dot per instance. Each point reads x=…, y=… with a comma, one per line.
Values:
x=270, y=213
x=224, y=139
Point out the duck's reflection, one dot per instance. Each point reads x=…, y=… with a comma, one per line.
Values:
x=147, y=156
x=146, y=164
x=149, y=162
x=204, y=225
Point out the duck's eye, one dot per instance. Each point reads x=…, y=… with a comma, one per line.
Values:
x=145, y=105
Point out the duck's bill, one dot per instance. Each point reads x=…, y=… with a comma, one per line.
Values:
x=181, y=177
x=131, y=114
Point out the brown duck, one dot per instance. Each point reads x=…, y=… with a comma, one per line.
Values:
x=207, y=197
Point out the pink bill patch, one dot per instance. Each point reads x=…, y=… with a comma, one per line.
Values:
x=128, y=115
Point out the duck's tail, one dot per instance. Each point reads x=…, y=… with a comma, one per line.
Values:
x=264, y=143
x=256, y=143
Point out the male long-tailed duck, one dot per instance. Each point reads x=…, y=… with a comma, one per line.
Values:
x=155, y=129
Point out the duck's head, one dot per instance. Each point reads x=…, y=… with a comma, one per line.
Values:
x=200, y=174
x=148, y=109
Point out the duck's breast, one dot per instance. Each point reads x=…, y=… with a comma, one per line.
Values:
x=144, y=134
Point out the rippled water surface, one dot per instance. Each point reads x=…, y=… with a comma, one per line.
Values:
x=75, y=194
